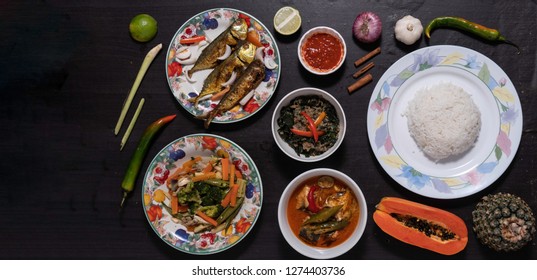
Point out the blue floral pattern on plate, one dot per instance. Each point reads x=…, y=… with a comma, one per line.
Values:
x=172, y=157
x=467, y=62
x=214, y=22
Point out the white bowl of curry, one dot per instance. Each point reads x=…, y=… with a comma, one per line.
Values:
x=322, y=213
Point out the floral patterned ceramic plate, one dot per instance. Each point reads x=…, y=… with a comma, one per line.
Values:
x=173, y=156
x=211, y=23
x=492, y=92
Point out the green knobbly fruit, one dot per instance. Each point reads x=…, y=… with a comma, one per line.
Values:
x=503, y=222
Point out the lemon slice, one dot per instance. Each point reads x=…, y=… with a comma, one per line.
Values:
x=287, y=20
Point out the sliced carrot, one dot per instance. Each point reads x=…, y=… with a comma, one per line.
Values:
x=238, y=174
x=206, y=218
x=208, y=168
x=226, y=200
x=225, y=168
x=204, y=176
x=191, y=40
x=179, y=171
x=174, y=204
x=233, y=191
x=187, y=165
x=232, y=175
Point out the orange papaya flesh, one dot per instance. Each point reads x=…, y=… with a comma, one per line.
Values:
x=420, y=225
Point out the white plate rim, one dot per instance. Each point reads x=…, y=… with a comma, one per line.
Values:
x=472, y=63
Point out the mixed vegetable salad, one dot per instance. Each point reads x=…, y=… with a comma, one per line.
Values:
x=204, y=193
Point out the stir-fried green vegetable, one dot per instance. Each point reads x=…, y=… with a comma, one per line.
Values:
x=305, y=137
x=201, y=196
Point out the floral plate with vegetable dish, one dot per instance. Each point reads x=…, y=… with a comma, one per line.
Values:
x=491, y=90
x=191, y=204
x=195, y=35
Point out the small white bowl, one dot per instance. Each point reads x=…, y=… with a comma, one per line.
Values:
x=321, y=29
x=317, y=252
x=286, y=100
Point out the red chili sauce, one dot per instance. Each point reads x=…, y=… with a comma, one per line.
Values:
x=322, y=51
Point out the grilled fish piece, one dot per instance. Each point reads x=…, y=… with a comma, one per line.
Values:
x=236, y=62
x=231, y=36
x=248, y=81
x=346, y=201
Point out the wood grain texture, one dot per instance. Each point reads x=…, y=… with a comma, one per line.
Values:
x=67, y=66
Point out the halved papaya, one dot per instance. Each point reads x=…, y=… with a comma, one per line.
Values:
x=421, y=225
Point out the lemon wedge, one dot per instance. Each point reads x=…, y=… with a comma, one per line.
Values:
x=287, y=20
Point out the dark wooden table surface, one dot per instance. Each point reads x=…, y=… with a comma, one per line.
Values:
x=67, y=66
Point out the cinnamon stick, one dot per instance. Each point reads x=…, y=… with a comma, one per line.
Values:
x=363, y=70
x=360, y=83
x=367, y=57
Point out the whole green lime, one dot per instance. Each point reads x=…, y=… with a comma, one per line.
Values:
x=143, y=28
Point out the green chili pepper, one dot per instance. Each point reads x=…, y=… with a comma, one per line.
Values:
x=137, y=158
x=328, y=226
x=323, y=215
x=479, y=30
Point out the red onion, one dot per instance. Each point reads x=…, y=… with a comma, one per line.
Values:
x=367, y=27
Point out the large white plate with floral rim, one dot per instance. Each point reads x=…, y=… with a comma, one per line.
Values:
x=491, y=90
x=211, y=23
x=172, y=157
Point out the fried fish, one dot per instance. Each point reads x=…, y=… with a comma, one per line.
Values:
x=208, y=58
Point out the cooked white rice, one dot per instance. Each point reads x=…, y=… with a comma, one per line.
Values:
x=443, y=120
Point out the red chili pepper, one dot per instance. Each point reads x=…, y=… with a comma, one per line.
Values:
x=312, y=206
x=137, y=158
x=311, y=125
x=305, y=133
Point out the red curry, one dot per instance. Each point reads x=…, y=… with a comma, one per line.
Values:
x=325, y=197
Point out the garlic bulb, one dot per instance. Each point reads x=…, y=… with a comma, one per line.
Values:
x=408, y=30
